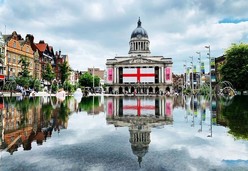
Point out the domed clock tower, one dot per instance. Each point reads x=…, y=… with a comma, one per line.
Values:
x=139, y=43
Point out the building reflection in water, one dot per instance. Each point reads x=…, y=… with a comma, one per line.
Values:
x=34, y=120
x=27, y=120
x=197, y=110
x=140, y=114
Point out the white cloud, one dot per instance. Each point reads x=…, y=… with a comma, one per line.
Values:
x=97, y=30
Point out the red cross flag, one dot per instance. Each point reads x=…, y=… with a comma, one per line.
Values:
x=140, y=75
x=138, y=107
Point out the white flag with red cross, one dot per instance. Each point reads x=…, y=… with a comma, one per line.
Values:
x=138, y=107
x=138, y=75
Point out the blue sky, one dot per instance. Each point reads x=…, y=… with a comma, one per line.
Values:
x=92, y=31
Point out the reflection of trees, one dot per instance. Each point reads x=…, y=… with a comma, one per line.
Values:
x=178, y=101
x=23, y=106
x=46, y=110
x=63, y=112
x=225, y=101
x=35, y=119
x=237, y=115
x=87, y=103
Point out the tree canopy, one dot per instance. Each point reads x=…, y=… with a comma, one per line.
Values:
x=64, y=71
x=48, y=74
x=235, y=68
x=24, y=65
x=24, y=77
x=86, y=80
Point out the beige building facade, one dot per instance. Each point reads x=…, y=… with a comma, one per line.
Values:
x=139, y=72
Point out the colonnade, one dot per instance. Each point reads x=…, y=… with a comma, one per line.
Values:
x=139, y=45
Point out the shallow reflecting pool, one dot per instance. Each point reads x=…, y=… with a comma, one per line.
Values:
x=124, y=133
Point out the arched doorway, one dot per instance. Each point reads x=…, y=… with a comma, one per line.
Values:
x=126, y=90
x=157, y=90
x=132, y=89
x=150, y=90
x=120, y=90
x=144, y=90
x=110, y=90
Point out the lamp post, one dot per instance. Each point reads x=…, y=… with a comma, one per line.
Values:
x=199, y=53
x=93, y=79
x=185, y=75
x=192, y=68
x=210, y=90
x=210, y=80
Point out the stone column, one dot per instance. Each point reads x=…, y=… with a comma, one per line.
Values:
x=114, y=74
x=162, y=75
x=117, y=74
x=159, y=75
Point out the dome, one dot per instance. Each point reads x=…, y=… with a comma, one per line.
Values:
x=139, y=32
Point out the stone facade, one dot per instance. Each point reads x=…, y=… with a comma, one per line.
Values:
x=15, y=49
x=139, y=72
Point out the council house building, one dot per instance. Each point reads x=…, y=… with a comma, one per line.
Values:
x=139, y=72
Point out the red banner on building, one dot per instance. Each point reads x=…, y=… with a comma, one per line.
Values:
x=167, y=74
x=110, y=74
x=2, y=77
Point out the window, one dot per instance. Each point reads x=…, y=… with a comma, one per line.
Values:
x=14, y=44
x=27, y=49
x=9, y=58
x=14, y=59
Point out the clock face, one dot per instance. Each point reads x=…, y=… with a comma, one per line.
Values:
x=139, y=36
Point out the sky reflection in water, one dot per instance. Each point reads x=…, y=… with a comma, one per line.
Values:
x=92, y=142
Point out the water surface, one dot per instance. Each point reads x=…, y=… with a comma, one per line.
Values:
x=124, y=133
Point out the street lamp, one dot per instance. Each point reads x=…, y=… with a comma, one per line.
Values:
x=210, y=90
x=185, y=75
x=210, y=80
x=199, y=53
x=192, y=80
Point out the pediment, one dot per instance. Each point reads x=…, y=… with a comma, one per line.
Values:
x=138, y=61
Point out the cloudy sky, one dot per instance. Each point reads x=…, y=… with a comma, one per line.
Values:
x=92, y=31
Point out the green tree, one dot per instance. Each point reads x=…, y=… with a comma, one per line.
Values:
x=64, y=71
x=96, y=81
x=2, y=58
x=235, y=69
x=35, y=84
x=68, y=87
x=24, y=78
x=48, y=74
x=86, y=80
x=24, y=65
